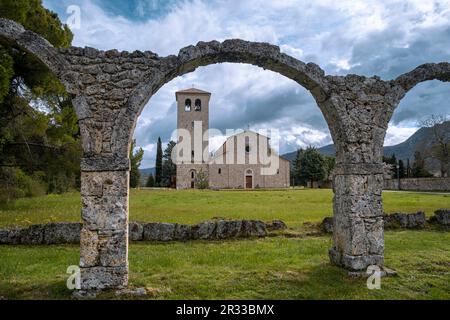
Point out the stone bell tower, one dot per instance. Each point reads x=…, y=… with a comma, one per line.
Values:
x=193, y=117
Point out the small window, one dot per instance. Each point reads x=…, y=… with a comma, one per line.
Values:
x=187, y=105
x=247, y=148
x=192, y=174
x=278, y=171
x=198, y=105
x=220, y=171
x=192, y=153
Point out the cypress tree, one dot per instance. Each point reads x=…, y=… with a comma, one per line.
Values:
x=158, y=165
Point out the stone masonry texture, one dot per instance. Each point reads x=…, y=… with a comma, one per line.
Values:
x=111, y=88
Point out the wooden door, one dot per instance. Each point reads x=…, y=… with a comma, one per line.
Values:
x=248, y=182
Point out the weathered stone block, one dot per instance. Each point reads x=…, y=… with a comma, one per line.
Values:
x=32, y=235
x=103, y=248
x=183, y=232
x=159, y=231
x=443, y=217
x=105, y=213
x=204, y=231
x=276, y=225
x=327, y=225
x=103, y=277
x=62, y=232
x=405, y=220
x=135, y=231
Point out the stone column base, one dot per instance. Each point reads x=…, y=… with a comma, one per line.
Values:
x=355, y=262
x=101, y=278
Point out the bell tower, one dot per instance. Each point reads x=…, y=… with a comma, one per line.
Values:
x=193, y=112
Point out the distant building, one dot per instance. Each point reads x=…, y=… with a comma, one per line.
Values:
x=244, y=161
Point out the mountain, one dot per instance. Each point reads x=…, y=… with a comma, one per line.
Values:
x=420, y=141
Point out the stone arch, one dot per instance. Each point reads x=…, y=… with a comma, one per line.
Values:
x=15, y=34
x=111, y=88
x=266, y=56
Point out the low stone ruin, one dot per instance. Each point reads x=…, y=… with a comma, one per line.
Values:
x=69, y=233
x=399, y=220
x=405, y=220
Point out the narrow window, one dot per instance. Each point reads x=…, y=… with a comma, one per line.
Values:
x=247, y=144
x=220, y=171
x=187, y=105
x=198, y=105
x=192, y=175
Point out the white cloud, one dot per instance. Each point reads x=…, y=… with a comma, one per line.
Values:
x=347, y=36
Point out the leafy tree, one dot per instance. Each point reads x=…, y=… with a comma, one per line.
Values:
x=418, y=169
x=408, y=169
x=150, y=181
x=135, y=162
x=39, y=135
x=392, y=161
x=158, y=165
x=201, y=180
x=297, y=167
x=330, y=162
x=401, y=169
x=441, y=149
x=169, y=168
x=312, y=165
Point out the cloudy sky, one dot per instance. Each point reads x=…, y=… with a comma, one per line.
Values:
x=386, y=38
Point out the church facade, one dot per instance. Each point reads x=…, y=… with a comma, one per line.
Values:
x=244, y=161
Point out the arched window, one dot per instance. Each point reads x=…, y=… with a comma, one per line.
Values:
x=192, y=174
x=198, y=105
x=187, y=105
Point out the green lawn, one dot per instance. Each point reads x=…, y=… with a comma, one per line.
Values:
x=271, y=268
x=292, y=206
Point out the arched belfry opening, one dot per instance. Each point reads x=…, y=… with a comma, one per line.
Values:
x=356, y=108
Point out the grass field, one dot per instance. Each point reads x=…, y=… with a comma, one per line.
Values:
x=269, y=268
x=292, y=206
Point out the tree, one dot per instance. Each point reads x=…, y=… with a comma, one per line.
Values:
x=441, y=149
x=418, y=168
x=330, y=162
x=401, y=169
x=408, y=169
x=135, y=162
x=39, y=134
x=169, y=168
x=312, y=166
x=392, y=162
x=150, y=181
x=158, y=165
x=297, y=167
x=201, y=180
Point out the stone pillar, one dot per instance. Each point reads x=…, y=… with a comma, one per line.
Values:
x=104, y=236
x=358, y=239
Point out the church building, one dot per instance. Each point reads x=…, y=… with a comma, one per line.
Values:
x=244, y=161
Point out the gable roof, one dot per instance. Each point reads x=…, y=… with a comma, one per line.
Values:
x=192, y=91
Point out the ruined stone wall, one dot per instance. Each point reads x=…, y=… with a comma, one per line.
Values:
x=418, y=184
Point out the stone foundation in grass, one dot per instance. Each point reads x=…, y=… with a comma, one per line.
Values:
x=69, y=232
x=397, y=220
